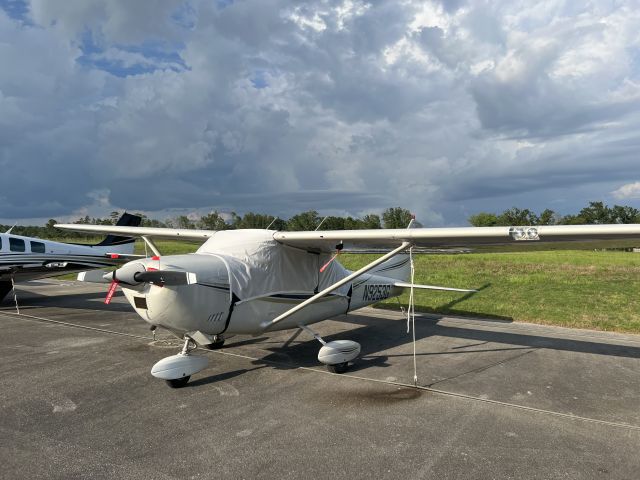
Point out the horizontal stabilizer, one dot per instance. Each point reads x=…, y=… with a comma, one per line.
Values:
x=92, y=276
x=432, y=287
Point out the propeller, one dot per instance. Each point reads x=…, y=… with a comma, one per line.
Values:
x=135, y=273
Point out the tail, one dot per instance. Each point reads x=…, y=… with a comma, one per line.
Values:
x=116, y=244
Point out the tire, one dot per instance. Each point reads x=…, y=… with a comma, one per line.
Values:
x=216, y=345
x=178, y=382
x=338, y=367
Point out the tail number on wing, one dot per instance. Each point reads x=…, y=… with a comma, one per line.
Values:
x=375, y=292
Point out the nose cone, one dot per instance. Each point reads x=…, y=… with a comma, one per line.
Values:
x=127, y=273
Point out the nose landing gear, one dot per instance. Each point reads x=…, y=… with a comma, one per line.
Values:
x=176, y=370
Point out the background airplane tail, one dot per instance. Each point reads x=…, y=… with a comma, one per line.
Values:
x=116, y=244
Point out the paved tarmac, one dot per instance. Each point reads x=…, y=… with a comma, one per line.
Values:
x=496, y=399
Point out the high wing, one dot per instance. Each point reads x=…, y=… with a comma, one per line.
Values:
x=328, y=240
x=455, y=237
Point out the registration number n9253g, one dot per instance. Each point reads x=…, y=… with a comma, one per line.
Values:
x=375, y=292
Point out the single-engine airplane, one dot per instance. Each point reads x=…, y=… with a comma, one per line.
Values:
x=28, y=258
x=253, y=281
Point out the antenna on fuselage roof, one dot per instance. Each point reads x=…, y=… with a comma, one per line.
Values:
x=11, y=228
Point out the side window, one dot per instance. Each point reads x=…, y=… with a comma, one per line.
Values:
x=16, y=244
x=37, y=247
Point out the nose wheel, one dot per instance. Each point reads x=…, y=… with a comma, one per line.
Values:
x=178, y=382
x=338, y=367
x=177, y=369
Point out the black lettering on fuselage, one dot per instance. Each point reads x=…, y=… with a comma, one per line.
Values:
x=375, y=292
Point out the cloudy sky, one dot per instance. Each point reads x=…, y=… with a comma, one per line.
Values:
x=347, y=107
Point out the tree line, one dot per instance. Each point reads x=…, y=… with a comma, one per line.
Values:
x=594, y=213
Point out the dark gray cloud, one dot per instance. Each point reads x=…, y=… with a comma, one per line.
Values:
x=340, y=106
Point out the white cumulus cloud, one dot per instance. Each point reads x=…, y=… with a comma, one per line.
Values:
x=628, y=191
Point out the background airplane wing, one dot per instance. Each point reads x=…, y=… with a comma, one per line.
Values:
x=176, y=233
x=456, y=237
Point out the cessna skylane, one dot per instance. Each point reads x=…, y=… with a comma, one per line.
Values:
x=254, y=281
x=28, y=258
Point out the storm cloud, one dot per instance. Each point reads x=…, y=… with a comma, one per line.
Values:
x=346, y=107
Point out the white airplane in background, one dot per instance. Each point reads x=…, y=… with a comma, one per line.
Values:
x=28, y=258
x=253, y=281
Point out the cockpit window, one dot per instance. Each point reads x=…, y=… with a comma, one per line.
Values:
x=16, y=244
x=37, y=247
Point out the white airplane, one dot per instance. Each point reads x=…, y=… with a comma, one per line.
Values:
x=253, y=281
x=28, y=258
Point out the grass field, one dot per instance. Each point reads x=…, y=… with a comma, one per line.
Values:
x=582, y=288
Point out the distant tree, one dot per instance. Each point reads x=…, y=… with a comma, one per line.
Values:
x=621, y=214
x=371, y=221
x=597, y=213
x=182, y=221
x=304, y=221
x=572, y=220
x=149, y=222
x=548, y=217
x=516, y=216
x=50, y=225
x=212, y=221
x=396, y=217
x=252, y=220
x=483, y=219
x=333, y=223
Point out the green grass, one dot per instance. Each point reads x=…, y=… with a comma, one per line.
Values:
x=582, y=288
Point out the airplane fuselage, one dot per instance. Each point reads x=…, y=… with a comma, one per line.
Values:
x=234, y=295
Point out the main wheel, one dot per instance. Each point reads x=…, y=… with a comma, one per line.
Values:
x=216, y=345
x=178, y=382
x=338, y=367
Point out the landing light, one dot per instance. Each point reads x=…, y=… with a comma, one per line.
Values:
x=524, y=233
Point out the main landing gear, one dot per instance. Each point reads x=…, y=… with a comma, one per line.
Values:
x=218, y=342
x=177, y=369
x=335, y=355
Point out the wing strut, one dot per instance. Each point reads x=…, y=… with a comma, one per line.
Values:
x=328, y=290
x=151, y=245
